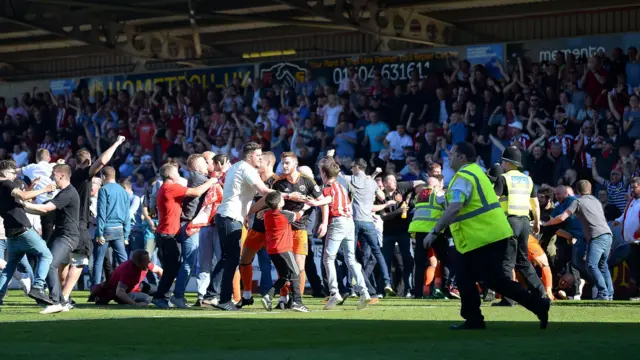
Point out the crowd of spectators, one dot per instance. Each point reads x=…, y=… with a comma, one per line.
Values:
x=573, y=118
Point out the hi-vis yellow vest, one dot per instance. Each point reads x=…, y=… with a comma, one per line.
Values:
x=426, y=215
x=481, y=221
x=519, y=187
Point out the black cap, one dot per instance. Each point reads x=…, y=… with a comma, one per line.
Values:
x=512, y=155
x=494, y=172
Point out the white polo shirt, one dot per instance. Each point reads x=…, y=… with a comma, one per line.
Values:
x=239, y=189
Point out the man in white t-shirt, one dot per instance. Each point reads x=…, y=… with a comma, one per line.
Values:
x=396, y=141
x=241, y=183
x=42, y=170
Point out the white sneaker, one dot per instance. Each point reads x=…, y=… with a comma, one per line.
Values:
x=66, y=307
x=25, y=285
x=212, y=302
x=180, y=303
x=52, y=309
x=333, y=301
x=365, y=299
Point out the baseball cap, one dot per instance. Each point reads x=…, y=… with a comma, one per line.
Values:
x=516, y=125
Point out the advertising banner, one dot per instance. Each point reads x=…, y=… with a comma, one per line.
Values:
x=487, y=56
x=546, y=50
x=207, y=77
x=331, y=71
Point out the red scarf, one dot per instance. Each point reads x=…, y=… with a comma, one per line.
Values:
x=209, y=208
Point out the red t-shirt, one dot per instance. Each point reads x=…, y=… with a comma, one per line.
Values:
x=176, y=124
x=169, y=200
x=593, y=87
x=145, y=132
x=340, y=204
x=128, y=274
x=278, y=235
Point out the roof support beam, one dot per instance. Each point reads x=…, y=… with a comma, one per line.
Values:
x=411, y=26
x=53, y=17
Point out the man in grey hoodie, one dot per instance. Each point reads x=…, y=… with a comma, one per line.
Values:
x=363, y=190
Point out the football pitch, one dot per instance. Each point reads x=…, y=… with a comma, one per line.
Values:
x=392, y=329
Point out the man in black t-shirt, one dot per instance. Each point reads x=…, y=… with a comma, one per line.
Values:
x=21, y=237
x=296, y=188
x=81, y=180
x=396, y=226
x=65, y=238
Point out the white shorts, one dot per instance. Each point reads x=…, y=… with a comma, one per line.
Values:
x=78, y=259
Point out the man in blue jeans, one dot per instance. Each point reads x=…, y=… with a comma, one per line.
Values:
x=589, y=212
x=241, y=183
x=363, y=190
x=113, y=223
x=21, y=237
x=190, y=238
x=169, y=200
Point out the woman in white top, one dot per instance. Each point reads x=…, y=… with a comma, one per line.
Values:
x=331, y=114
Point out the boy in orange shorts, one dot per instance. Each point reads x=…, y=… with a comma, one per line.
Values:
x=538, y=258
x=279, y=243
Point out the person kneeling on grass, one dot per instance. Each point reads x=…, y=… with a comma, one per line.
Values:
x=125, y=285
x=279, y=243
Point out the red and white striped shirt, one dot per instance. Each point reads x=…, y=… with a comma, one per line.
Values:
x=566, y=141
x=340, y=203
x=524, y=139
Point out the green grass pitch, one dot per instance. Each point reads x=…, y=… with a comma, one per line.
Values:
x=392, y=329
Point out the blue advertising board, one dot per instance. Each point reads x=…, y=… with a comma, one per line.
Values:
x=487, y=56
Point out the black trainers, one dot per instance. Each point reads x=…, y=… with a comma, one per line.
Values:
x=344, y=296
x=289, y=304
x=40, y=295
x=469, y=326
x=245, y=302
x=299, y=308
x=267, y=302
x=503, y=303
x=228, y=306
x=543, y=316
x=489, y=295
x=281, y=305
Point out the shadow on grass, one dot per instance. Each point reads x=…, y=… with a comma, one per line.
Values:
x=301, y=337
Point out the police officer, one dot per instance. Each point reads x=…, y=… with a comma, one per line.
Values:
x=429, y=206
x=517, y=196
x=480, y=231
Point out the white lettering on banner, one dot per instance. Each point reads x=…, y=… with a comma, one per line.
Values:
x=393, y=72
x=550, y=55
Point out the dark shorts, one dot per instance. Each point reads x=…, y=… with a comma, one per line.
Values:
x=84, y=245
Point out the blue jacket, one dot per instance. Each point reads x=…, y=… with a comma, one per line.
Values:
x=572, y=224
x=113, y=209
